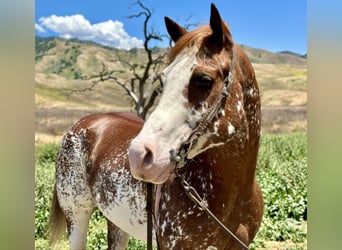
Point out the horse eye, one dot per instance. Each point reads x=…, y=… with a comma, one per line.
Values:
x=204, y=81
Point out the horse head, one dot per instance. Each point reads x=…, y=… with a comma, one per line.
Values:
x=199, y=64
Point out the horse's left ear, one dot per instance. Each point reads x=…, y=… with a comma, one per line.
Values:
x=221, y=34
x=174, y=29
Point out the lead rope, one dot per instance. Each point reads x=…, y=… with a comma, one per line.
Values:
x=202, y=205
x=149, y=205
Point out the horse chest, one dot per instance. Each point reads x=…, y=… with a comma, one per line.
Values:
x=185, y=228
x=122, y=200
x=180, y=222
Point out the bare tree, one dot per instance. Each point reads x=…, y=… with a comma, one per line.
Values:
x=144, y=85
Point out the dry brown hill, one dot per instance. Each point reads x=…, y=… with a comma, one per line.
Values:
x=63, y=66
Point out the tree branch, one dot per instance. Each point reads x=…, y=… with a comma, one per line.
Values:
x=105, y=76
x=142, y=85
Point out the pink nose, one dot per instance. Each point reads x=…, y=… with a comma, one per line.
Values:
x=149, y=160
x=141, y=158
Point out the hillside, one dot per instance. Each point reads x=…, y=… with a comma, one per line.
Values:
x=264, y=56
x=75, y=59
x=62, y=68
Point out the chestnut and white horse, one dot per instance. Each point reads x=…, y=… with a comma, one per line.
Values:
x=206, y=126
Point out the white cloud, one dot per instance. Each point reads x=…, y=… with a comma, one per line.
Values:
x=39, y=28
x=111, y=33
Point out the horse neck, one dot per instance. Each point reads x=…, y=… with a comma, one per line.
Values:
x=232, y=163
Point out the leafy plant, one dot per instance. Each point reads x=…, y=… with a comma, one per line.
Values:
x=45, y=159
x=281, y=173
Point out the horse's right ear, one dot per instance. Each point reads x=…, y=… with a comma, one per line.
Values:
x=174, y=29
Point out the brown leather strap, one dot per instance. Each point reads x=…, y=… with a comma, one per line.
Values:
x=149, y=204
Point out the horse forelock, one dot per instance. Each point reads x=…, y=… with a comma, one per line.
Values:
x=197, y=41
x=189, y=40
x=195, y=38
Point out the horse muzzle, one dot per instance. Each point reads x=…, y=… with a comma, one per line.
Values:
x=147, y=163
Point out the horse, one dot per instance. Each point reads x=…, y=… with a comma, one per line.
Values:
x=205, y=130
x=104, y=160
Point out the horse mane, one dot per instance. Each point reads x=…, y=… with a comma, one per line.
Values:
x=190, y=40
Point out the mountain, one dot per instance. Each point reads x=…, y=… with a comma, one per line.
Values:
x=264, y=56
x=292, y=53
x=75, y=59
x=63, y=68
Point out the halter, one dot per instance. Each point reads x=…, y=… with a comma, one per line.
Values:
x=215, y=111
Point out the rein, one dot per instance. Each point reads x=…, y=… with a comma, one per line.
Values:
x=215, y=111
x=149, y=204
x=202, y=205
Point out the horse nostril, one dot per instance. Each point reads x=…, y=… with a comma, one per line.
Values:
x=148, y=159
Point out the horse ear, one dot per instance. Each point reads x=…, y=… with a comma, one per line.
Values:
x=221, y=35
x=174, y=29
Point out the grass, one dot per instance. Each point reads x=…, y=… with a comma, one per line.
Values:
x=281, y=173
x=48, y=92
x=281, y=76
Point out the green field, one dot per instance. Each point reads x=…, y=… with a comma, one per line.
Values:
x=281, y=173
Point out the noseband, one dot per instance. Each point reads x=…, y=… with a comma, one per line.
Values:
x=180, y=157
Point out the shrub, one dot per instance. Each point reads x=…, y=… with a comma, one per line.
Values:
x=45, y=156
x=282, y=175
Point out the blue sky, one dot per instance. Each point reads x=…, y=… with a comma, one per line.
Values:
x=272, y=25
